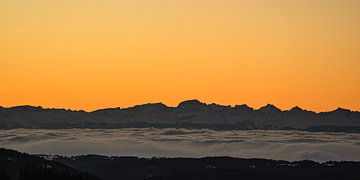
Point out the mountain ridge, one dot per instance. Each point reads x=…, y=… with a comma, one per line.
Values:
x=188, y=114
x=181, y=103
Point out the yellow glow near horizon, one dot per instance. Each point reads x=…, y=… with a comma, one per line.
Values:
x=91, y=54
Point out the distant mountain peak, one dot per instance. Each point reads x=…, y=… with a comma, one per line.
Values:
x=115, y=109
x=269, y=108
x=244, y=108
x=341, y=110
x=296, y=109
x=151, y=106
x=28, y=108
x=191, y=103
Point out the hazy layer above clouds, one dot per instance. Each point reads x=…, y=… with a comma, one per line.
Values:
x=148, y=142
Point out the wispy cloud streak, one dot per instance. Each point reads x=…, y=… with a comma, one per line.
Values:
x=21, y=30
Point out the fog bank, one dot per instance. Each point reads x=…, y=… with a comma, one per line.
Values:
x=149, y=142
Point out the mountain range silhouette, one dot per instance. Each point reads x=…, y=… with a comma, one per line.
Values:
x=188, y=114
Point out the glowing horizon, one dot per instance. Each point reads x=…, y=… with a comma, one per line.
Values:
x=174, y=106
x=80, y=54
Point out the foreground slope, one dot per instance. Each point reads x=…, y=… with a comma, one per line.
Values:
x=18, y=166
x=21, y=166
x=214, y=168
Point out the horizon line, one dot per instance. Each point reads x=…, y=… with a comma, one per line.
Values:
x=152, y=103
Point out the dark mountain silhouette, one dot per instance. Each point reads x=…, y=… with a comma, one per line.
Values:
x=21, y=166
x=18, y=166
x=243, y=108
x=297, y=109
x=269, y=109
x=188, y=114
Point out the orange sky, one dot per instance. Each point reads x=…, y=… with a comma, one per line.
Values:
x=90, y=54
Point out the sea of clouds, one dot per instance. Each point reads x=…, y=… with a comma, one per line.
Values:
x=149, y=142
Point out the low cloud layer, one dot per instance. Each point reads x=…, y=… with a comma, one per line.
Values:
x=149, y=142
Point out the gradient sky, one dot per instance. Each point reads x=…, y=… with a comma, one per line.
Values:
x=90, y=54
